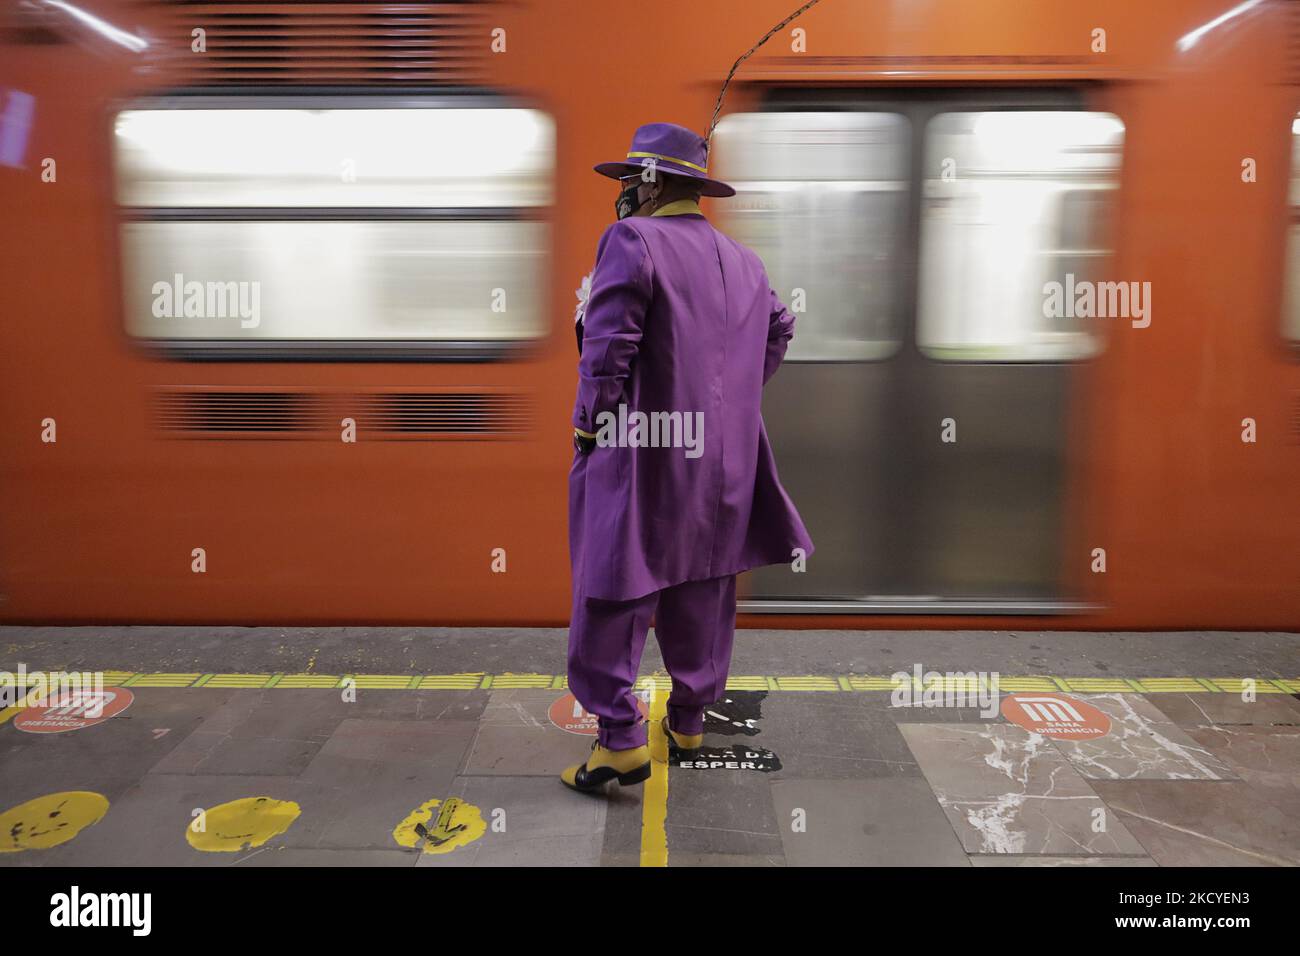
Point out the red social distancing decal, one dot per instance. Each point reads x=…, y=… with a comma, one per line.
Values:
x=567, y=714
x=1056, y=715
x=74, y=710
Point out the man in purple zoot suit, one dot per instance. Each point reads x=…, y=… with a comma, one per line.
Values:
x=673, y=489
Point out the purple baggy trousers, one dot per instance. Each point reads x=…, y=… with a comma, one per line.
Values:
x=695, y=623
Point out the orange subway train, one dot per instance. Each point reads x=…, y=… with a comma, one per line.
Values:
x=289, y=291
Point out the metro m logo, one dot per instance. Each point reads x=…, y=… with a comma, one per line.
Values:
x=1056, y=715
x=1048, y=709
x=82, y=704
x=72, y=708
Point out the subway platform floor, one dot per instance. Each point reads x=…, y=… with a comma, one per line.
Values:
x=220, y=746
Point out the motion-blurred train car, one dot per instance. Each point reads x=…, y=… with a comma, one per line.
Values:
x=288, y=292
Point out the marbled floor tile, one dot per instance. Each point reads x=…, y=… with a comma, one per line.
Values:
x=1003, y=860
x=1006, y=790
x=891, y=821
x=1198, y=823
x=1142, y=744
x=1262, y=756
x=1208, y=710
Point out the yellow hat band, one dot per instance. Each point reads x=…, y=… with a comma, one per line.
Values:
x=671, y=159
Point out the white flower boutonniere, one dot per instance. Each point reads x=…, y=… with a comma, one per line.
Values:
x=583, y=293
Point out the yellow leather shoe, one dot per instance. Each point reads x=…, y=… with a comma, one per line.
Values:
x=625, y=766
x=686, y=743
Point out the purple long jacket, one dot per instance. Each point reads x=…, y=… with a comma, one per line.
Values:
x=680, y=319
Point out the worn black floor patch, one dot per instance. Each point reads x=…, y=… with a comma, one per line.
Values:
x=736, y=714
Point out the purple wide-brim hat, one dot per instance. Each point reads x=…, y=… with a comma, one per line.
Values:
x=670, y=149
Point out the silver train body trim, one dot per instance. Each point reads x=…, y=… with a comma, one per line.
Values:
x=1028, y=608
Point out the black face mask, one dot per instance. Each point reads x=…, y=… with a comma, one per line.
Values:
x=627, y=203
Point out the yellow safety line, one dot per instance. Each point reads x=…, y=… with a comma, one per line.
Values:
x=807, y=683
x=654, y=802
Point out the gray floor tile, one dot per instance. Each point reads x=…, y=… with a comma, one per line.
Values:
x=834, y=736
x=263, y=732
x=726, y=812
x=516, y=737
x=921, y=713
x=878, y=822
x=106, y=758
x=1207, y=823
x=570, y=851
x=623, y=813
x=297, y=856
x=213, y=753
x=532, y=821
x=515, y=751
x=720, y=841
x=533, y=808
x=520, y=708
x=1263, y=756
x=683, y=858
x=1204, y=710
x=1062, y=861
x=378, y=772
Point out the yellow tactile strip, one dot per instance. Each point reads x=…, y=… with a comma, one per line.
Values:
x=787, y=682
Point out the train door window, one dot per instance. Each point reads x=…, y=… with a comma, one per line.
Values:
x=1014, y=217
x=822, y=198
x=1291, y=313
x=295, y=224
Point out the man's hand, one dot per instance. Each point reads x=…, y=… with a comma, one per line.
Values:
x=583, y=441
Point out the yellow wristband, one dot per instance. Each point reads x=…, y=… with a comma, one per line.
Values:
x=579, y=431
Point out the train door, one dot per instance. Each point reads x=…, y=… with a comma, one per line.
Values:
x=920, y=420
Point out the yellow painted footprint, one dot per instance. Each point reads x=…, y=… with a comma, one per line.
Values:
x=441, y=826
x=50, y=820
x=241, y=824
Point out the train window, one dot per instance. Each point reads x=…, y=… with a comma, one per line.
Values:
x=1012, y=203
x=1291, y=313
x=822, y=198
x=384, y=230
